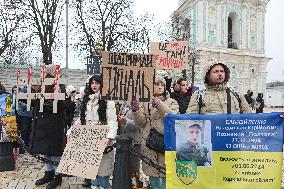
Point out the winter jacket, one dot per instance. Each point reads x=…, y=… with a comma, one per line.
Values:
x=148, y=117
x=106, y=167
x=93, y=117
x=214, y=98
x=22, y=105
x=182, y=100
x=47, y=128
x=70, y=111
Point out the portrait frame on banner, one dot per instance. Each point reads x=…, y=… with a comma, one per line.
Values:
x=203, y=144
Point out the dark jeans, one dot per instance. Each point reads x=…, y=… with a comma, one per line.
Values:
x=135, y=161
x=25, y=125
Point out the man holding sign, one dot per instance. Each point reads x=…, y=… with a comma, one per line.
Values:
x=245, y=148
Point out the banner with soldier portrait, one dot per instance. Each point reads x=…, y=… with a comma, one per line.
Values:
x=224, y=151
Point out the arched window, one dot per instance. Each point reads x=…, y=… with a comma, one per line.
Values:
x=233, y=30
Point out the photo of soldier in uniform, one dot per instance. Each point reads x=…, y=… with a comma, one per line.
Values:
x=193, y=143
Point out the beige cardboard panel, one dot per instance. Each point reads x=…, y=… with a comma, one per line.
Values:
x=37, y=81
x=172, y=55
x=124, y=78
x=57, y=95
x=83, y=153
x=29, y=96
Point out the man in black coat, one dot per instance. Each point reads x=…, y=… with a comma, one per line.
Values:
x=259, y=105
x=47, y=133
x=249, y=98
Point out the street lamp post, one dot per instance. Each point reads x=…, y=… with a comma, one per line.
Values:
x=67, y=44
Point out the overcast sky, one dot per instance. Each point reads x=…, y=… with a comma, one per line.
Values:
x=274, y=39
x=274, y=30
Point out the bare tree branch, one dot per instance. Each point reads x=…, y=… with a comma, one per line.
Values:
x=112, y=24
x=45, y=17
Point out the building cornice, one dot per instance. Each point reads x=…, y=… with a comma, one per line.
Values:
x=237, y=52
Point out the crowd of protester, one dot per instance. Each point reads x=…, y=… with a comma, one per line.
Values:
x=47, y=133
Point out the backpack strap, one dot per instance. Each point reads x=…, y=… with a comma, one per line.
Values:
x=201, y=93
x=236, y=94
x=229, y=101
x=200, y=99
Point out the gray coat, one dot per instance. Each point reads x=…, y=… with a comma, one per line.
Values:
x=130, y=129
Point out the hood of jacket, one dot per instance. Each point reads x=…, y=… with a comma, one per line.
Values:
x=208, y=84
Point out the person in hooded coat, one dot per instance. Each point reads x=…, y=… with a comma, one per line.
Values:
x=47, y=133
x=214, y=100
x=151, y=115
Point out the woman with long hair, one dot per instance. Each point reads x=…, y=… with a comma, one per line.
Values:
x=96, y=111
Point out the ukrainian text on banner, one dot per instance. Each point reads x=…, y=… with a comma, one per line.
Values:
x=224, y=151
x=127, y=76
x=84, y=151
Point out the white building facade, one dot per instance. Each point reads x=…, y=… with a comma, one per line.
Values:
x=274, y=96
x=230, y=31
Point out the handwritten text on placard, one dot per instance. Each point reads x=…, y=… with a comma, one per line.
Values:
x=83, y=153
x=172, y=55
x=128, y=75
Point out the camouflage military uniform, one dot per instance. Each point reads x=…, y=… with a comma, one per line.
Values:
x=190, y=151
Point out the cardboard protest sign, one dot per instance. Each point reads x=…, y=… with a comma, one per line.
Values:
x=127, y=75
x=41, y=83
x=171, y=55
x=226, y=151
x=94, y=65
x=83, y=154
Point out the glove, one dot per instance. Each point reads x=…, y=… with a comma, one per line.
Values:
x=134, y=105
x=156, y=103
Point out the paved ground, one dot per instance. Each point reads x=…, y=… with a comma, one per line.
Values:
x=28, y=170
